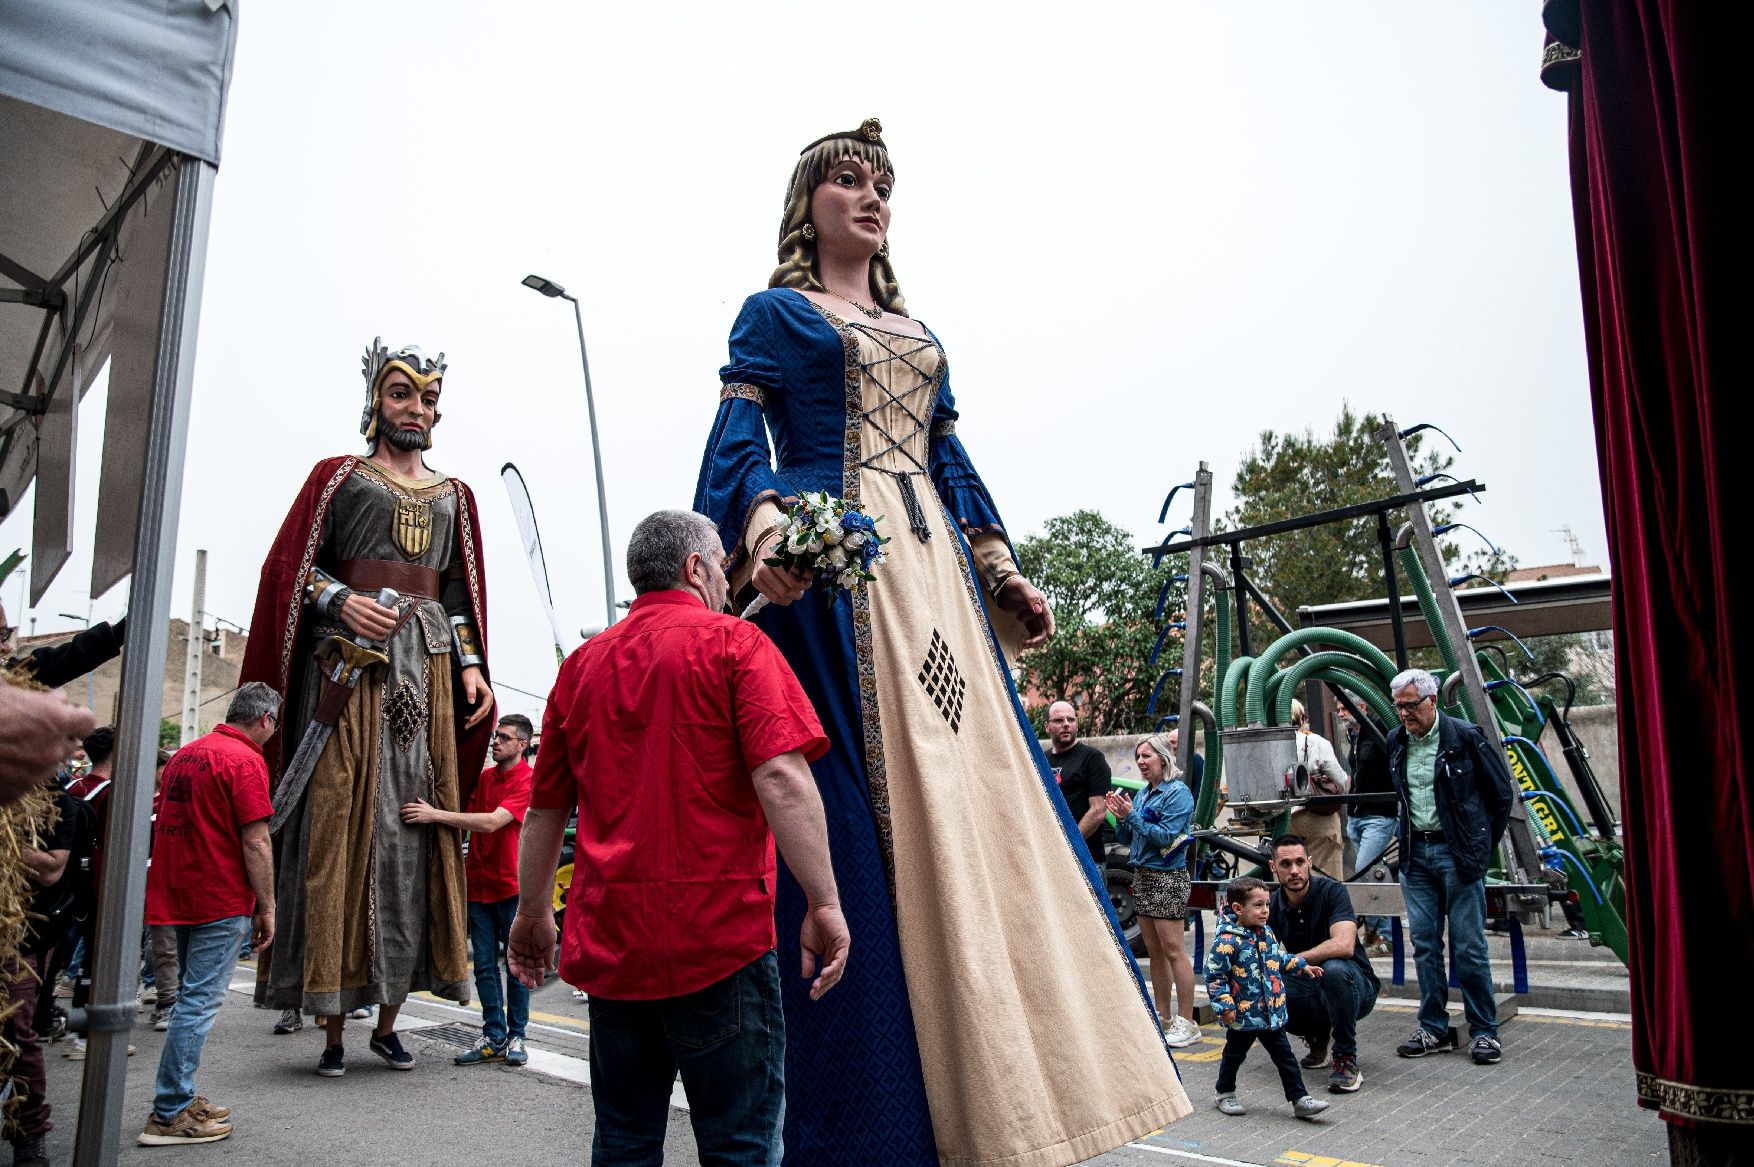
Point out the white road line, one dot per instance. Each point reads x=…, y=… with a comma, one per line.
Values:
x=548, y=1063
x=1195, y=1156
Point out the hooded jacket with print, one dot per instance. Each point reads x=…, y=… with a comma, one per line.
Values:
x=1244, y=975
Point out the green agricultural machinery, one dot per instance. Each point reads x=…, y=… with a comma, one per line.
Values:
x=1549, y=854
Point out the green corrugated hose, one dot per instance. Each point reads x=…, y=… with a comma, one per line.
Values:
x=1256, y=706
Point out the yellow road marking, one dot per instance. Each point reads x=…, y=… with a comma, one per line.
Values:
x=1305, y=1159
x=560, y=1019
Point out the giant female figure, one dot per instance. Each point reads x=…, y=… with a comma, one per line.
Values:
x=990, y=1013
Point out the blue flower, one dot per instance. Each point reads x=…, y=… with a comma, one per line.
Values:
x=1154, y=815
x=857, y=521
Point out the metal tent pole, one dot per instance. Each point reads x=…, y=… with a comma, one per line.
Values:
x=122, y=897
x=1523, y=864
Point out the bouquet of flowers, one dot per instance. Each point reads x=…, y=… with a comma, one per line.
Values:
x=832, y=537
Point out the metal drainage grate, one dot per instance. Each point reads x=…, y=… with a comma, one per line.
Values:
x=454, y=1033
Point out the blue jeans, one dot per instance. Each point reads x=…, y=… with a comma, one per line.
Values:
x=207, y=953
x=729, y=1042
x=1434, y=894
x=1371, y=836
x=503, y=1015
x=1333, y=1005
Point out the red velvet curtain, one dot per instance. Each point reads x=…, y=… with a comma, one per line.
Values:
x=1661, y=139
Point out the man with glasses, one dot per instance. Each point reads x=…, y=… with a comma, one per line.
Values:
x=493, y=817
x=1457, y=791
x=212, y=882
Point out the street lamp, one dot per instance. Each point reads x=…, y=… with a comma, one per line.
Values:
x=552, y=290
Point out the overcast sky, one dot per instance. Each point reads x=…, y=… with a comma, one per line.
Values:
x=1143, y=232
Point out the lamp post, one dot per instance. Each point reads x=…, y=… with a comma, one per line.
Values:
x=551, y=289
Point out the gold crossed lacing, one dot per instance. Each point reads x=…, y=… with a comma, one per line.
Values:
x=900, y=424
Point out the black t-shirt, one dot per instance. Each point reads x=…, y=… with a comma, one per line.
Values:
x=1369, y=763
x=1083, y=773
x=55, y=900
x=1303, y=927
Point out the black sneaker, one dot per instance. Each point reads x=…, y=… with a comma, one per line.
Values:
x=1424, y=1042
x=331, y=1065
x=1317, y=1057
x=1486, y=1051
x=291, y=1021
x=1345, y=1077
x=389, y=1047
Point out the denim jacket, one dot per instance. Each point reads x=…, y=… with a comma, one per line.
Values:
x=1158, y=827
x=1244, y=972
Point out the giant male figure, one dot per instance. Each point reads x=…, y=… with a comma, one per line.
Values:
x=371, y=908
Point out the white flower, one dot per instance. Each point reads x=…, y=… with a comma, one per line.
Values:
x=853, y=541
x=848, y=580
x=837, y=556
x=833, y=533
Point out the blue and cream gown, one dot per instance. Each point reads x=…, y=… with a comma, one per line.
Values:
x=984, y=1015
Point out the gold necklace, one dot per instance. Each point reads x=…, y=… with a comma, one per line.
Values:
x=873, y=313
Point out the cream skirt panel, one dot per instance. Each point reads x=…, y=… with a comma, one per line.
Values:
x=1037, y=1044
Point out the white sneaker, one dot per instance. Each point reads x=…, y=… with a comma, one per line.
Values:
x=1182, y=1033
x=361, y=1013
x=580, y=995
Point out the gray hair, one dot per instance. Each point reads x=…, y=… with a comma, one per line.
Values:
x=662, y=543
x=253, y=700
x=1422, y=681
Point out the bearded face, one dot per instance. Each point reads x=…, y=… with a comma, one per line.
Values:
x=403, y=438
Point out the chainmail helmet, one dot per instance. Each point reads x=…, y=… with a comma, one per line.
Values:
x=378, y=361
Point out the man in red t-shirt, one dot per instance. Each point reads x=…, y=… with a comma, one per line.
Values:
x=682, y=736
x=490, y=869
x=212, y=880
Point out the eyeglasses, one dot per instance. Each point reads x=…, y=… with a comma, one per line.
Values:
x=273, y=717
x=1410, y=706
x=506, y=737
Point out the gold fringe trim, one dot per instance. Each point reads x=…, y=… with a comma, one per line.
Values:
x=1726, y=1104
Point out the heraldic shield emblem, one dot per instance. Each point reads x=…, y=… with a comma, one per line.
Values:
x=411, y=528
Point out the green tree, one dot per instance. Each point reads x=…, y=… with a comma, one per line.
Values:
x=1287, y=475
x=1102, y=592
x=170, y=733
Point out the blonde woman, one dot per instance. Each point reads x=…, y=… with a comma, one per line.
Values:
x=1155, y=827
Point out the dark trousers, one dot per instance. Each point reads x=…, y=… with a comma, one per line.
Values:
x=729, y=1042
x=505, y=1003
x=25, y=982
x=1331, y=1006
x=1278, y=1047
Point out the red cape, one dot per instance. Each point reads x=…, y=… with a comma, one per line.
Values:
x=272, y=654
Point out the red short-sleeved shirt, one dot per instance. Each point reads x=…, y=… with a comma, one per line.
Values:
x=213, y=787
x=652, y=730
x=491, y=869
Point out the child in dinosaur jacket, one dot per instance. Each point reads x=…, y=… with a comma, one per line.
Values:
x=1243, y=984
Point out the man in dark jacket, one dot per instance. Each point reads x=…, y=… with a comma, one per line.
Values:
x=1458, y=792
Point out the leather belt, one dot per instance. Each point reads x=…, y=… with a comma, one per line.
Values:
x=369, y=575
x=1428, y=836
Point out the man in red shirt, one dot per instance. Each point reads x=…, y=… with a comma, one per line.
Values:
x=212, y=879
x=682, y=737
x=490, y=869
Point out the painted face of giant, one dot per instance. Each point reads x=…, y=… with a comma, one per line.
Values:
x=407, y=412
x=850, y=209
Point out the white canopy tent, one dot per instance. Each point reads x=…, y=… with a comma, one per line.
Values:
x=111, y=113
